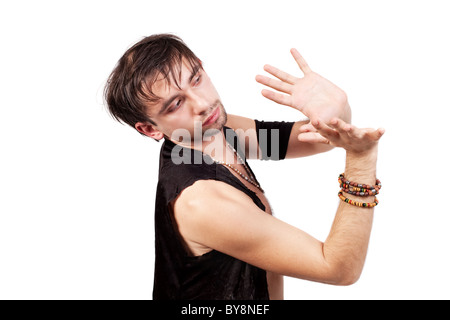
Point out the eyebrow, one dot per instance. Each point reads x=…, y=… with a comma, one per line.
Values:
x=169, y=101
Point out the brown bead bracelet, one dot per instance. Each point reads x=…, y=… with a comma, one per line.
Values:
x=358, y=189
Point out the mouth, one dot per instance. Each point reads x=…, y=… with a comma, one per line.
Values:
x=212, y=118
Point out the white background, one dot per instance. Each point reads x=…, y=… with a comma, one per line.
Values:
x=77, y=189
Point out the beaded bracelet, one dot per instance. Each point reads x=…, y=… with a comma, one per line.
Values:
x=358, y=189
x=356, y=203
x=362, y=192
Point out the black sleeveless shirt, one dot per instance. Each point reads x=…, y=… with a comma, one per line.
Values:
x=214, y=275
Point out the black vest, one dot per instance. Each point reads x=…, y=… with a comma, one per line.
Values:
x=213, y=275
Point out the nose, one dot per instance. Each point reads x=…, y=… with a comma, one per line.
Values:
x=199, y=103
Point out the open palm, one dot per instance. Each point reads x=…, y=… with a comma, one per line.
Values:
x=313, y=95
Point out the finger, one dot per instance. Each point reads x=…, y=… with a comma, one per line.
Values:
x=280, y=74
x=300, y=61
x=274, y=84
x=307, y=128
x=312, y=137
x=277, y=97
x=325, y=130
x=375, y=134
x=341, y=126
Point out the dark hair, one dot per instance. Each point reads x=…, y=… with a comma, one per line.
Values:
x=128, y=90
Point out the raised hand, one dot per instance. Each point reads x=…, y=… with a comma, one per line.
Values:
x=313, y=95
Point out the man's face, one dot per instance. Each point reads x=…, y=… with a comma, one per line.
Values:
x=196, y=105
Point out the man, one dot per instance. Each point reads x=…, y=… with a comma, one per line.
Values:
x=215, y=235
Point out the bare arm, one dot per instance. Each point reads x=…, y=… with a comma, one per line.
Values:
x=227, y=220
x=352, y=224
x=245, y=128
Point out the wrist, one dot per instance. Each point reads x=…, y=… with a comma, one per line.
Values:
x=361, y=166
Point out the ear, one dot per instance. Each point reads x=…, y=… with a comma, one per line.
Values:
x=149, y=130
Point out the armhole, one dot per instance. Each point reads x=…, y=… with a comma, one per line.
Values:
x=273, y=139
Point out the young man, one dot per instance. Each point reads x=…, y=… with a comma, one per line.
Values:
x=215, y=235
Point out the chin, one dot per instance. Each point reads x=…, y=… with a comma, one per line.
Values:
x=222, y=119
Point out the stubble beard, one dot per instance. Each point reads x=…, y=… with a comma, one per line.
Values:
x=220, y=122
